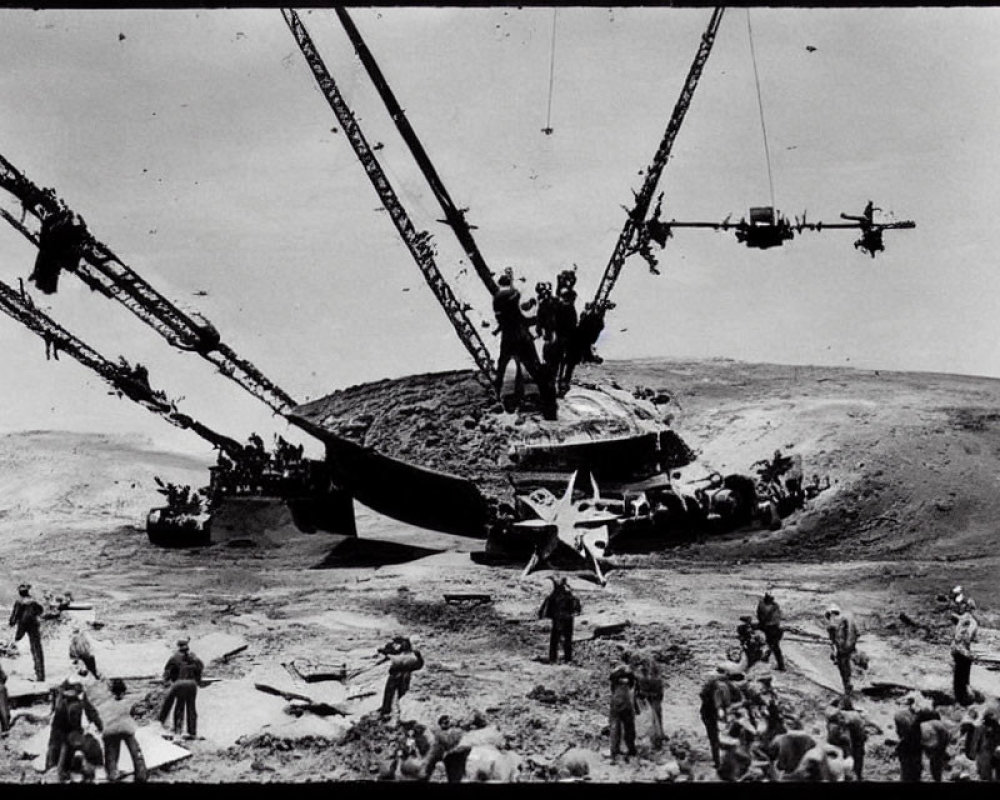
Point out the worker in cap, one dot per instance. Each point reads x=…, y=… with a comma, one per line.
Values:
x=769, y=622
x=560, y=606
x=182, y=674
x=843, y=635
x=25, y=618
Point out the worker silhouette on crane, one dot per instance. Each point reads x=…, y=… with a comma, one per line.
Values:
x=871, y=234
x=60, y=240
x=516, y=343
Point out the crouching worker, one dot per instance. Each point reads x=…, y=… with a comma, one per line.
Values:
x=67, y=729
x=119, y=728
x=80, y=650
x=403, y=662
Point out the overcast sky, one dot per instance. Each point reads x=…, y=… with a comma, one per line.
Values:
x=196, y=144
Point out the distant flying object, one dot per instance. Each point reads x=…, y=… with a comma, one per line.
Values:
x=810, y=48
x=378, y=146
x=121, y=37
x=406, y=288
x=200, y=293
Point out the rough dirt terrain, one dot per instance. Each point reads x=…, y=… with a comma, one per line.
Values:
x=913, y=460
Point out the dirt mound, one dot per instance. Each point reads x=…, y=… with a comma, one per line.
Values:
x=449, y=423
x=912, y=456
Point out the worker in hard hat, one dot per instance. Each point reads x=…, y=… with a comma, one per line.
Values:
x=182, y=674
x=843, y=635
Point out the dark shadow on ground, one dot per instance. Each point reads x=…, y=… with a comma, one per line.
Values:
x=355, y=552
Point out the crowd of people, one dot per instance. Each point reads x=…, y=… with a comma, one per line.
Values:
x=753, y=734
x=85, y=695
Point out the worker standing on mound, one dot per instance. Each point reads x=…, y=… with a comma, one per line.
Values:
x=404, y=660
x=25, y=615
x=183, y=675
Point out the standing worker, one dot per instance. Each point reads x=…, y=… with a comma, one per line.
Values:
x=560, y=606
x=908, y=719
x=25, y=615
x=843, y=641
x=718, y=694
x=966, y=628
x=623, y=708
x=119, y=728
x=183, y=675
x=79, y=650
x=404, y=660
x=769, y=621
x=649, y=688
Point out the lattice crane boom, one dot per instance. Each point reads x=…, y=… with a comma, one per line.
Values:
x=454, y=216
x=20, y=308
x=103, y=271
x=416, y=242
x=626, y=241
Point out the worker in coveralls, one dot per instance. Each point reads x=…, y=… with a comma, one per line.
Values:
x=25, y=616
x=183, y=675
x=560, y=606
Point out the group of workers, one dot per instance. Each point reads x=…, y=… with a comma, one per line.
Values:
x=85, y=695
x=754, y=736
x=568, y=338
x=253, y=469
x=751, y=734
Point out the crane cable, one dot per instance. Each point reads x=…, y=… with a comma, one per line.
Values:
x=760, y=106
x=552, y=72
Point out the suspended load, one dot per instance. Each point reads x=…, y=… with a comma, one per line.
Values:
x=767, y=228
